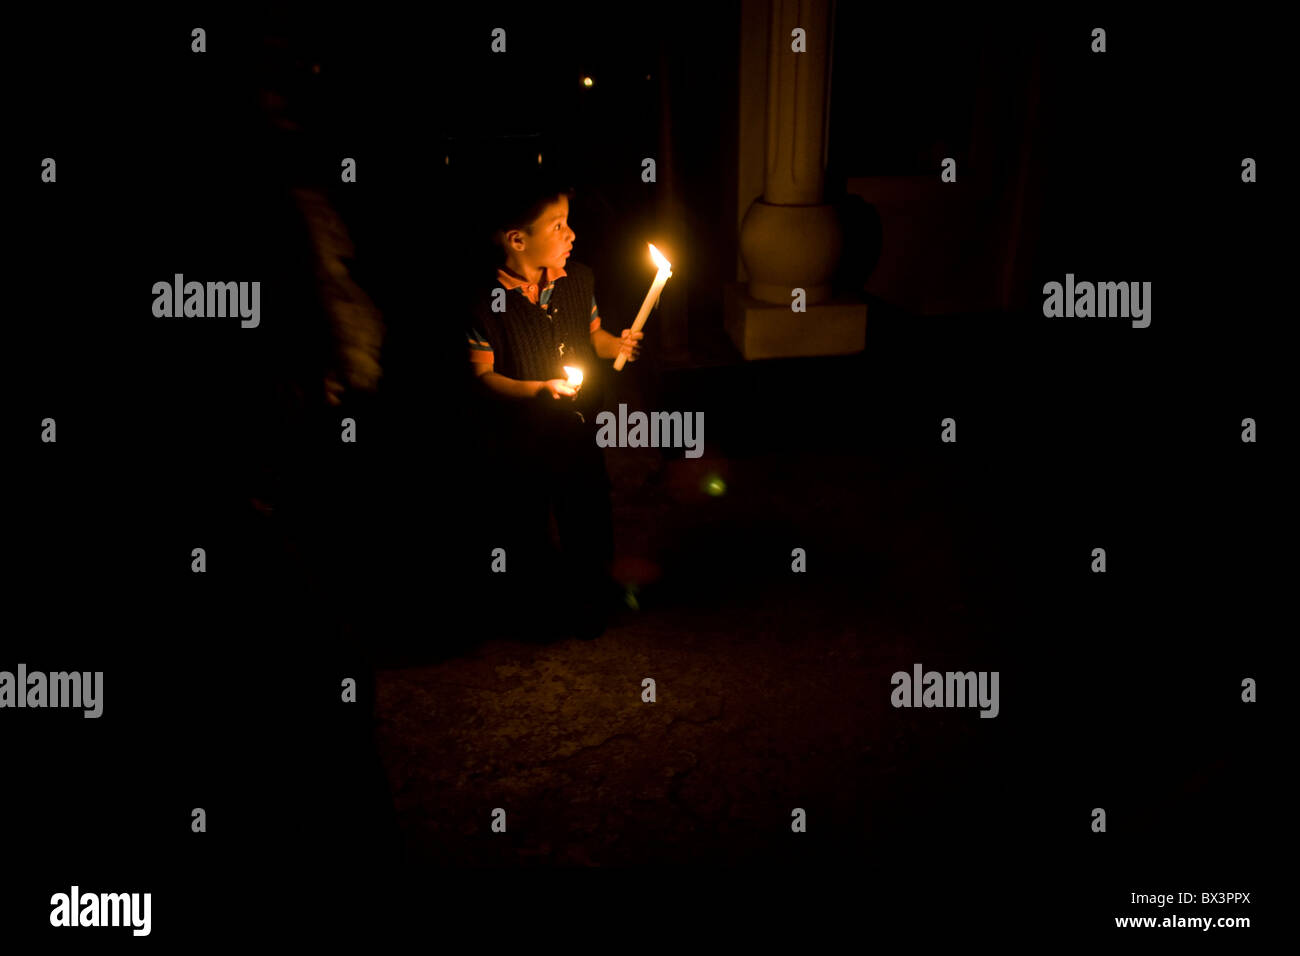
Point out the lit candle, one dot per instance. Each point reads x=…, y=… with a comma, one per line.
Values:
x=662, y=276
x=575, y=375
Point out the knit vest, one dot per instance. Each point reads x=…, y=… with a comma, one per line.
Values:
x=526, y=339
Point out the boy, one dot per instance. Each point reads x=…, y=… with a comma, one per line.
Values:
x=545, y=318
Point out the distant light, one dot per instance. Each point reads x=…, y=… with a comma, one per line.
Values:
x=647, y=76
x=446, y=160
x=539, y=159
x=715, y=486
x=587, y=81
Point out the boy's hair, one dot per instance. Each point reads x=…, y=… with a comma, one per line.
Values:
x=522, y=202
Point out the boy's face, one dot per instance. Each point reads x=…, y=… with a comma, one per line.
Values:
x=548, y=247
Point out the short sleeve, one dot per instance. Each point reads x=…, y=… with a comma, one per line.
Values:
x=480, y=349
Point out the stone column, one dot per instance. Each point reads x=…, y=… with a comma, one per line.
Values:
x=790, y=239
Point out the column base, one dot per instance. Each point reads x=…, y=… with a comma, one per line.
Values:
x=761, y=330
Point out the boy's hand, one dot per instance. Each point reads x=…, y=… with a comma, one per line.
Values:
x=630, y=345
x=558, y=387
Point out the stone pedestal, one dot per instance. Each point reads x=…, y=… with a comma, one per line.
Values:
x=788, y=247
x=763, y=330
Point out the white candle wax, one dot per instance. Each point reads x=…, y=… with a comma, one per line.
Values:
x=651, y=297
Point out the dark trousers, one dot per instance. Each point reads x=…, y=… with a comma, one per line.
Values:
x=555, y=468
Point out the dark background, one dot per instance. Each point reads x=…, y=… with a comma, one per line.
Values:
x=224, y=684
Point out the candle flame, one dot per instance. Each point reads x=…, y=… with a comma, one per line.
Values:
x=663, y=264
x=575, y=375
